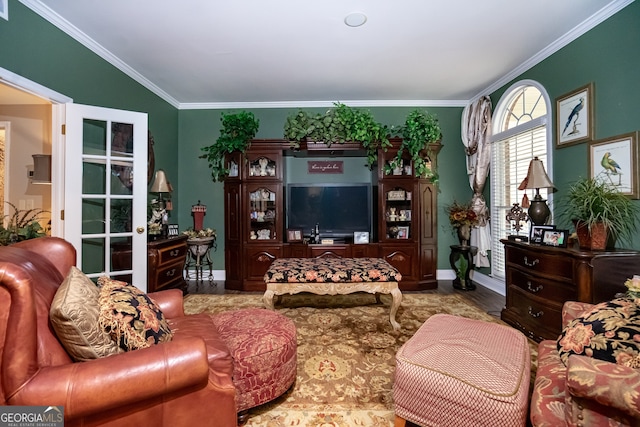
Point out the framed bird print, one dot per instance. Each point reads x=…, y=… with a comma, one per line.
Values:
x=614, y=161
x=574, y=117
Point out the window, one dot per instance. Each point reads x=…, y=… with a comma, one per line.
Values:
x=521, y=131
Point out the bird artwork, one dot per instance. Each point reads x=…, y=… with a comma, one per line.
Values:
x=575, y=113
x=611, y=167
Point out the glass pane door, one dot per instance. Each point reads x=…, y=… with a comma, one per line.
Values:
x=105, y=191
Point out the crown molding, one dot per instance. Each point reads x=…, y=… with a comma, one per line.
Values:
x=596, y=19
x=75, y=33
x=320, y=104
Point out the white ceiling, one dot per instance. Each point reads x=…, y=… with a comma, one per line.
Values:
x=287, y=53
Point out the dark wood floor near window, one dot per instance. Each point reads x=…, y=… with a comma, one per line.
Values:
x=488, y=300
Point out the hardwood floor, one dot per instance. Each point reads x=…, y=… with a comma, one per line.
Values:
x=488, y=300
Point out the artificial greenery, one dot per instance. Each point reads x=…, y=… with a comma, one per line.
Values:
x=236, y=134
x=21, y=225
x=592, y=201
x=338, y=125
x=420, y=130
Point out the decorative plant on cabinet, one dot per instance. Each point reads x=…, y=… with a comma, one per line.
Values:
x=236, y=134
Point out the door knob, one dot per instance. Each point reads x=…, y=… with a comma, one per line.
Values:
x=140, y=230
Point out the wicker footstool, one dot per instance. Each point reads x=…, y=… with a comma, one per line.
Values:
x=462, y=372
x=263, y=346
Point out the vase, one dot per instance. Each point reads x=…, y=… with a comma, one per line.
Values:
x=464, y=234
x=199, y=246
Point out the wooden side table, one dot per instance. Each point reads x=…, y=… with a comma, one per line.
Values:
x=464, y=254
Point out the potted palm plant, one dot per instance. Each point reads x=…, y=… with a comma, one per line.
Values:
x=236, y=134
x=600, y=213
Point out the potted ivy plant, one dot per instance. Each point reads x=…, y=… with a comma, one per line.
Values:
x=236, y=134
x=420, y=132
x=338, y=125
x=600, y=213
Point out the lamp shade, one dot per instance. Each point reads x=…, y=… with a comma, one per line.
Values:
x=160, y=183
x=536, y=176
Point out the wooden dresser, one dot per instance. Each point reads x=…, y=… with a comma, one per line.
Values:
x=539, y=279
x=165, y=262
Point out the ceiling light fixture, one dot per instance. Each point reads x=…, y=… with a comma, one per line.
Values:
x=355, y=19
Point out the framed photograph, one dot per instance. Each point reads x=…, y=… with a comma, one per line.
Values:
x=294, y=235
x=172, y=230
x=396, y=195
x=403, y=232
x=555, y=238
x=537, y=232
x=614, y=161
x=575, y=117
x=360, y=237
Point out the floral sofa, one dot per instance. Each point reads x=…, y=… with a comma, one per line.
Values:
x=587, y=391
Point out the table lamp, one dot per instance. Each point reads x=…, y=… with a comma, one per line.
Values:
x=160, y=186
x=537, y=178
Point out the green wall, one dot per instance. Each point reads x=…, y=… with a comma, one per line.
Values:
x=609, y=56
x=199, y=128
x=35, y=49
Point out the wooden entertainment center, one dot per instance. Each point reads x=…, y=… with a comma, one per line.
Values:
x=404, y=217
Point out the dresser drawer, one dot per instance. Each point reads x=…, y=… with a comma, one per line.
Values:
x=168, y=275
x=542, y=263
x=171, y=254
x=540, y=316
x=540, y=287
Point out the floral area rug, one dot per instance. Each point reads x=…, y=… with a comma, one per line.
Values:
x=346, y=353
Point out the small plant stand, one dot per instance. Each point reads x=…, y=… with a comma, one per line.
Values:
x=198, y=257
x=461, y=260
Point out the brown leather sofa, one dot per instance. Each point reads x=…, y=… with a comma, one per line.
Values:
x=184, y=382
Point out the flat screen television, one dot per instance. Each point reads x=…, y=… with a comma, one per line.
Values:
x=338, y=209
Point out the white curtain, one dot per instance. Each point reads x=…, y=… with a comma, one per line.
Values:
x=476, y=130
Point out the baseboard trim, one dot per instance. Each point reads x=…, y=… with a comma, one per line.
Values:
x=488, y=282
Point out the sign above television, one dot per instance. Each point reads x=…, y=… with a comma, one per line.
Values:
x=325, y=166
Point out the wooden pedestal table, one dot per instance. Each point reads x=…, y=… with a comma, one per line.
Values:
x=333, y=276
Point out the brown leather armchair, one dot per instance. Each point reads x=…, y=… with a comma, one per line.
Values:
x=186, y=381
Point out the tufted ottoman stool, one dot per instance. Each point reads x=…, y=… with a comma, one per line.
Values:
x=461, y=372
x=263, y=346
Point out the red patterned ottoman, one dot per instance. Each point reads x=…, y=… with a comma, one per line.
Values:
x=263, y=346
x=462, y=372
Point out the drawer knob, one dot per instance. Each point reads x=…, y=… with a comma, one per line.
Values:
x=175, y=252
x=532, y=263
x=536, y=315
x=532, y=289
x=172, y=272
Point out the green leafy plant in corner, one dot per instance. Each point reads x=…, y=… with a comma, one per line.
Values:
x=21, y=225
x=420, y=130
x=338, y=125
x=592, y=201
x=236, y=134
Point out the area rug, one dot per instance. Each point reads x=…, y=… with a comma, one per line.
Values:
x=346, y=353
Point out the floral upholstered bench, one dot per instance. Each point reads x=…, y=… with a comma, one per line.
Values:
x=333, y=276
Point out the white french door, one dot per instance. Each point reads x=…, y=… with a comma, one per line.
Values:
x=105, y=214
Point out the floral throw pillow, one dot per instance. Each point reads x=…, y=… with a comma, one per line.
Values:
x=132, y=319
x=610, y=331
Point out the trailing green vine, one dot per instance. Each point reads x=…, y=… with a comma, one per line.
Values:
x=236, y=134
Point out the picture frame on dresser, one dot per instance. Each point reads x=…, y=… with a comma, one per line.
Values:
x=537, y=233
x=554, y=237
